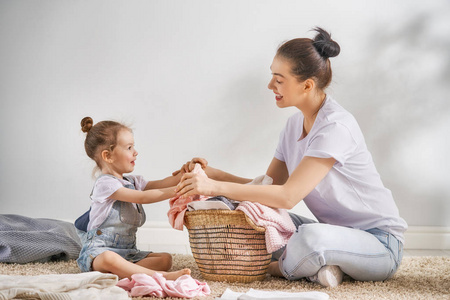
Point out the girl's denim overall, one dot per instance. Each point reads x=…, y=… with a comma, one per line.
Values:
x=117, y=233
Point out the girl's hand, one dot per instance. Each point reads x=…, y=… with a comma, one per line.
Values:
x=189, y=166
x=193, y=184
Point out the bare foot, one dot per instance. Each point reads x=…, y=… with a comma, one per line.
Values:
x=274, y=269
x=174, y=275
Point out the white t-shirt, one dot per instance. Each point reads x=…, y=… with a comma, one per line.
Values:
x=104, y=187
x=352, y=193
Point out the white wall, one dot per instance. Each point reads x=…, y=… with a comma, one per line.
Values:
x=190, y=78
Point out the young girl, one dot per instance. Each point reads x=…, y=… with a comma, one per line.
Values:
x=108, y=229
x=322, y=159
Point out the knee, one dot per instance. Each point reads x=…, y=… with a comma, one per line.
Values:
x=166, y=261
x=106, y=261
x=313, y=237
x=311, y=243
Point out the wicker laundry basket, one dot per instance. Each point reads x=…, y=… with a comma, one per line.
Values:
x=227, y=245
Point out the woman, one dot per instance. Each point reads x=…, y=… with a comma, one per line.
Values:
x=323, y=160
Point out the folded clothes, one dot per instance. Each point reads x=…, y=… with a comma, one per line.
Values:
x=272, y=295
x=218, y=202
x=206, y=205
x=88, y=285
x=157, y=286
x=232, y=204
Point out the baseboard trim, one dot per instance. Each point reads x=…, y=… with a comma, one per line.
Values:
x=160, y=237
x=427, y=237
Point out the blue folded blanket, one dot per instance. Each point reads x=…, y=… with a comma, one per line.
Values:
x=24, y=240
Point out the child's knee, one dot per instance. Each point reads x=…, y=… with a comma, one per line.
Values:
x=166, y=260
x=105, y=261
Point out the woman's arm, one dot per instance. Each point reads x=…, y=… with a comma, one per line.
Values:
x=278, y=171
x=210, y=172
x=143, y=197
x=302, y=181
x=220, y=175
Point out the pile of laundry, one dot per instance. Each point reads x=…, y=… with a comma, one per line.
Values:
x=157, y=286
x=96, y=285
x=89, y=285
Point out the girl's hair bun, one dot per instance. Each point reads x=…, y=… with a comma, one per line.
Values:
x=86, y=124
x=324, y=44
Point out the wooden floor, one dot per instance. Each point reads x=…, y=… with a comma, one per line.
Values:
x=419, y=252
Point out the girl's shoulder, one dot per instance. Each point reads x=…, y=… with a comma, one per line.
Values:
x=137, y=180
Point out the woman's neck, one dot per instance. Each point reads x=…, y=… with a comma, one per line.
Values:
x=311, y=110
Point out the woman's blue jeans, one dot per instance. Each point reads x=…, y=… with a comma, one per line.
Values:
x=371, y=255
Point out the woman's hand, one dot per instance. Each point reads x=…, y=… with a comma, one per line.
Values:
x=194, y=184
x=189, y=166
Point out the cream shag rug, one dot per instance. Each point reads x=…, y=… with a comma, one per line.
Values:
x=417, y=278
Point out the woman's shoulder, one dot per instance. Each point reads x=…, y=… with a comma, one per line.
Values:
x=333, y=115
x=333, y=112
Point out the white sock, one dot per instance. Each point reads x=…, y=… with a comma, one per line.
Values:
x=328, y=276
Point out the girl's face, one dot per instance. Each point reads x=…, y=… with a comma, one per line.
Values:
x=288, y=90
x=124, y=154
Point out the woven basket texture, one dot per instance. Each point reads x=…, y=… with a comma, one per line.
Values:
x=227, y=245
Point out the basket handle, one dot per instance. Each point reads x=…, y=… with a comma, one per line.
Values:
x=253, y=225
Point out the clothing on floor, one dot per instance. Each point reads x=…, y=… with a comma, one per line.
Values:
x=157, y=286
x=24, y=240
x=253, y=294
x=83, y=286
x=178, y=205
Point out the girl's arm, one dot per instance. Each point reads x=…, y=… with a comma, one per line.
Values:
x=170, y=181
x=143, y=197
x=302, y=181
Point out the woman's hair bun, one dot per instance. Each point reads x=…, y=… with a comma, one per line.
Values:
x=324, y=44
x=86, y=124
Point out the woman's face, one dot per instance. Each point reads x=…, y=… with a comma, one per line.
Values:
x=288, y=90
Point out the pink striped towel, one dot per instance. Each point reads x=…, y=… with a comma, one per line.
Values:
x=277, y=222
